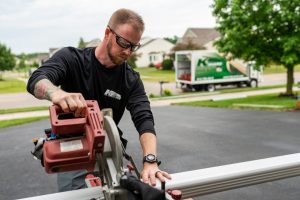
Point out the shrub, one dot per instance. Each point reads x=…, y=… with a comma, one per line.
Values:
x=297, y=105
x=151, y=65
x=167, y=92
x=158, y=66
x=151, y=95
x=167, y=64
x=131, y=60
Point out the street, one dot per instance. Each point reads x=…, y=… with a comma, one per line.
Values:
x=21, y=100
x=189, y=138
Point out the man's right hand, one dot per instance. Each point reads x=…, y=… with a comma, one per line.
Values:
x=69, y=102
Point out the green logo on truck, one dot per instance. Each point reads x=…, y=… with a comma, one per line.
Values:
x=215, y=68
x=201, y=62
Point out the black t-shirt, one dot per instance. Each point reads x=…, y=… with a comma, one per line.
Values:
x=79, y=71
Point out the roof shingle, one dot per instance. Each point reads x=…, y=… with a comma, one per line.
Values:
x=200, y=36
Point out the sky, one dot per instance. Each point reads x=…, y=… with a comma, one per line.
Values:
x=36, y=25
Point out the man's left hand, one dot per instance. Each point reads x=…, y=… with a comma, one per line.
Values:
x=151, y=172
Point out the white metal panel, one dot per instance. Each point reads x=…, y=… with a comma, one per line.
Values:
x=210, y=180
x=216, y=179
x=82, y=194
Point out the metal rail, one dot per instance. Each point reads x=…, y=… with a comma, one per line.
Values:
x=211, y=180
x=226, y=177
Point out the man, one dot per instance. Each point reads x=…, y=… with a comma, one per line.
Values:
x=102, y=74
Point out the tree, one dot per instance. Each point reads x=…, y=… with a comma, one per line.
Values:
x=172, y=40
x=167, y=64
x=22, y=61
x=35, y=65
x=81, y=43
x=189, y=45
x=132, y=59
x=265, y=31
x=7, y=59
x=22, y=64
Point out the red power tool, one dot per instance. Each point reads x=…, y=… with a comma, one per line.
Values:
x=81, y=139
x=90, y=141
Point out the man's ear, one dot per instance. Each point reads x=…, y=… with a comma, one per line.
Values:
x=106, y=33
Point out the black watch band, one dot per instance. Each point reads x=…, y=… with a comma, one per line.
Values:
x=150, y=158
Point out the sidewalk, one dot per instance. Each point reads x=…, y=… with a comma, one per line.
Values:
x=162, y=102
x=21, y=115
x=216, y=95
x=20, y=100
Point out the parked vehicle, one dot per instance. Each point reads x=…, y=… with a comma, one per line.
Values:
x=203, y=70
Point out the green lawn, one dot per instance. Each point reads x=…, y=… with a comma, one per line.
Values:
x=261, y=102
x=154, y=75
x=9, y=85
x=16, y=110
x=274, y=69
x=220, y=90
x=245, y=89
x=14, y=122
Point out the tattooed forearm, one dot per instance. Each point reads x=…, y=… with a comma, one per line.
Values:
x=43, y=89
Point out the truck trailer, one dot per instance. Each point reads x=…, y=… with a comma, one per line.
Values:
x=204, y=70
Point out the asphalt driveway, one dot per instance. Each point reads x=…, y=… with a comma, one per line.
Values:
x=189, y=138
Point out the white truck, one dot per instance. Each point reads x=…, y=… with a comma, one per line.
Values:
x=204, y=69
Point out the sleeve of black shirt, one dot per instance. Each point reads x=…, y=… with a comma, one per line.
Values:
x=54, y=69
x=139, y=107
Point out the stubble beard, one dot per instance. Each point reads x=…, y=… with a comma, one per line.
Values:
x=114, y=59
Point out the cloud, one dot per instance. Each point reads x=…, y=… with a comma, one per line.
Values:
x=37, y=25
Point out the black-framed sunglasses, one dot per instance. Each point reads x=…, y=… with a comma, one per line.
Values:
x=122, y=42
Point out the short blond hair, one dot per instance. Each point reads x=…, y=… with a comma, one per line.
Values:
x=126, y=16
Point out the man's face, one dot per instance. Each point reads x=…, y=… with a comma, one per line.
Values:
x=122, y=42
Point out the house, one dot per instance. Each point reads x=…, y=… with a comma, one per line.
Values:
x=202, y=37
x=39, y=59
x=93, y=43
x=153, y=51
x=52, y=51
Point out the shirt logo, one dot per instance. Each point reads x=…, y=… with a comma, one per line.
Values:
x=112, y=94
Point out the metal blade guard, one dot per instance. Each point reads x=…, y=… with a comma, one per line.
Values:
x=77, y=140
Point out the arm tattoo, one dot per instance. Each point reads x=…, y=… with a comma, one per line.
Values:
x=43, y=89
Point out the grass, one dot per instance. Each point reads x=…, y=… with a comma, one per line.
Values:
x=219, y=91
x=154, y=75
x=260, y=102
x=10, y=85
x=17, y=110
x=275, y=69
x=245, y=89
x=14, y=122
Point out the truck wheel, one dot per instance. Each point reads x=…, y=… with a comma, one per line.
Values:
x=240, y=84
x=253, y=83
x=197, y=87
x=210, y=88
x=187, y=88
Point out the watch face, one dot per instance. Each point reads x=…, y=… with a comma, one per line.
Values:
x=150, y=157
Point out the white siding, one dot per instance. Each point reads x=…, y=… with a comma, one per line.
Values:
x=154, y=50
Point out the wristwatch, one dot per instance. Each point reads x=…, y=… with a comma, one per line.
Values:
x=150, y=158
